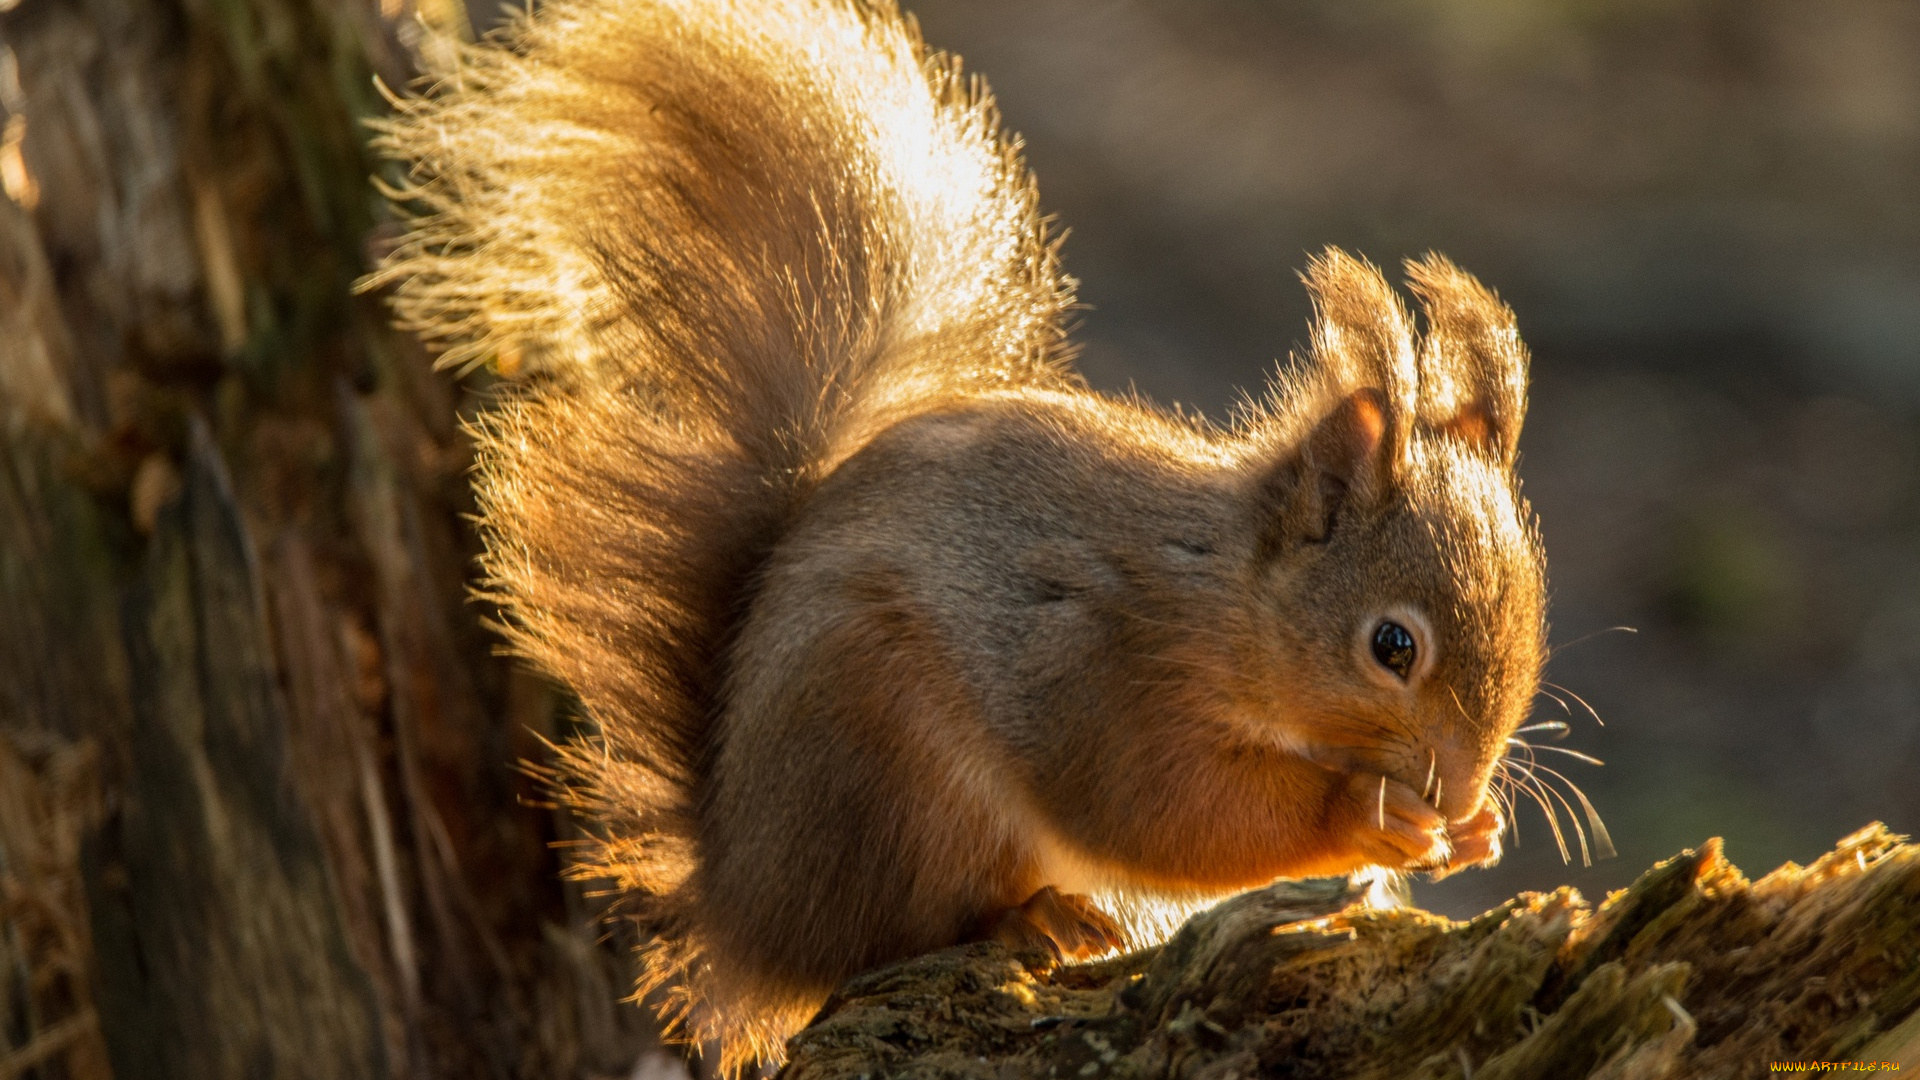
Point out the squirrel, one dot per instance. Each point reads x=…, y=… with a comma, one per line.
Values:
x=893, y=634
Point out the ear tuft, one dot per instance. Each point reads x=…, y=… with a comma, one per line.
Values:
x=1363, y=340
x=1473, y=368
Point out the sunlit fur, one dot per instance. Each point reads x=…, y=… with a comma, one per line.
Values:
x=885, y=621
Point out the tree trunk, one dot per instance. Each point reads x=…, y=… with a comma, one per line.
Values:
x=258, y=808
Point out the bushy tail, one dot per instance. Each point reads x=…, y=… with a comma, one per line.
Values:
x=714, y=245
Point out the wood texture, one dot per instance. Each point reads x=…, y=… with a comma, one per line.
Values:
x=260, y=812
x=1692, y=972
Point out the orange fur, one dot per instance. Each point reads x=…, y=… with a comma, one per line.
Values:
x=893, y=633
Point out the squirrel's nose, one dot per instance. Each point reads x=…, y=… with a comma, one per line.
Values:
x=1456, y=783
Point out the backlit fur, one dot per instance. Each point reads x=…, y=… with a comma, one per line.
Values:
x=887, y=623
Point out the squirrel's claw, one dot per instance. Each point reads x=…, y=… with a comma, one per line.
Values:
x=1475, y=841
x=1398, y=829
x=1067, y=925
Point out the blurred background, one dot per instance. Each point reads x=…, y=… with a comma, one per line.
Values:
x=1706, y=214
x=260, y=814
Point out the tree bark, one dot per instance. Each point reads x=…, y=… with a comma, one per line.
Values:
x=1692, y=972
x=260, y=815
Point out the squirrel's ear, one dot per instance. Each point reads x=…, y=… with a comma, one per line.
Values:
x=1361, y=380
x=1473, y=368
x=1363, y=340
x=1342, y=463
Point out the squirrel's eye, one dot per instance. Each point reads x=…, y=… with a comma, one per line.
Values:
x=1393, y=647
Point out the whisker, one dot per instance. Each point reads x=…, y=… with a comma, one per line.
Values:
x=1516, y=743
x=1556, y=699
x=1583, y=702
x=1383, y=804
x=1575, y=754
x=1589, y=637
x=1433, y=762
x=1521, y=744
x=1458, y=707
x=1558, y=727
x=1533, y=789
x=1580, y=834
x=1505, y=793
x=1540, y=792
x=1506, y=806
x=1602, y=842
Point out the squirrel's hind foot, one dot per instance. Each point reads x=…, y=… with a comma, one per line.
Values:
x=1067, y=925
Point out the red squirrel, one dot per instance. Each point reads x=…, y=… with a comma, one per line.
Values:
x=892, y=633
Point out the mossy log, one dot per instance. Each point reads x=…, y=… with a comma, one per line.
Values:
x=1692, y=972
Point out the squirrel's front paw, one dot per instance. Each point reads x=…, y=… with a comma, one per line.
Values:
x=1066, y=924
x=1396, y=829
x=1475, y=841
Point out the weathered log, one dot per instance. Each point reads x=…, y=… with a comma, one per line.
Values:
x=1692, y=972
